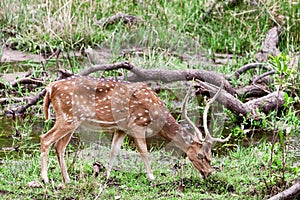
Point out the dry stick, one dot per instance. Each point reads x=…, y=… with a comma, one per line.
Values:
x=56, y=59
x=261, y=88
x=225, y=99
x=291, y=193
x=268, y=11
x=74, y=158
x=267, y=103
x=15, y=83
x=34, y=99
x=263, y=76
x=26, y=80
x=165, y=76
x=14, y=99
x=209, y=11
x=274, y=138
x=254, y=90
x=31, y=102
x=107, y=67
x=44, y=62
x=249, y=66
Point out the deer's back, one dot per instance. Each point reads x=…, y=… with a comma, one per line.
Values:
x=106, y=103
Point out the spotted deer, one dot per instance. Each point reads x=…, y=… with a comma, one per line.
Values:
x=128, y=108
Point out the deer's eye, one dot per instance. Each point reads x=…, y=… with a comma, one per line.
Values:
x=200, y=155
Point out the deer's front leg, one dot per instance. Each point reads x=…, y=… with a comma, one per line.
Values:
x=115, y=148
x=142, y=147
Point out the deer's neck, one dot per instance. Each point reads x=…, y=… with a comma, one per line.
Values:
x=173, y=133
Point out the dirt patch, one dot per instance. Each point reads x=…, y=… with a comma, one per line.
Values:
x=9, y=55
x=14, y=56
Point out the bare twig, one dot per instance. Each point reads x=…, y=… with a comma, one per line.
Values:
x=248, y=67
x=224, y=98
x=257, y=78
x=253, y=90
x=262, y=3
x=292, y=192
x=270, y=102
x=15, y=83
x=56, y=59
x=26, y=80
x=32, y=101
x=45, y=61
x=166, y=76
x=107, y=67
x=14, y=99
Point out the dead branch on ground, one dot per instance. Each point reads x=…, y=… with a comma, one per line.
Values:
x=292, y=192
x=208, y=81
x=249, y=66
x=269, y=46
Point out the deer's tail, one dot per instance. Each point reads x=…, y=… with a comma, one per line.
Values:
x=47, y=102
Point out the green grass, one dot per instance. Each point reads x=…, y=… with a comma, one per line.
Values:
x=39, y=26
x=242, y=174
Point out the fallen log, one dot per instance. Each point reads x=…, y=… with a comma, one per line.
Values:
x=165, y=76
x=264, y=104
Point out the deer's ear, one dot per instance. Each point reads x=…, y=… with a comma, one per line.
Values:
x=207, y=150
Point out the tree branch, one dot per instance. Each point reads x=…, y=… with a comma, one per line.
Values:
x=207, y=80
x=107, y=67
x=265, y=104
x=248, y=67
x=291, y=193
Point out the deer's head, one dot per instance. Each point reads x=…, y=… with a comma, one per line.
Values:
x=199, y=150
x=200, y=155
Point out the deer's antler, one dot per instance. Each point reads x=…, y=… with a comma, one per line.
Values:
x=184, y=115
x=208, y=137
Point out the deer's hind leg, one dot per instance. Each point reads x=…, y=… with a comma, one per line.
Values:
x=115, y=148
x=55, y=134
x=60, y=148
